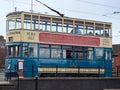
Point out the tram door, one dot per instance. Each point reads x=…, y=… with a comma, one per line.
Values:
x=20, y=68
x=108, y=62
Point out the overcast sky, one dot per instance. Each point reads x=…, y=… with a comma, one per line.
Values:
x=100, y=10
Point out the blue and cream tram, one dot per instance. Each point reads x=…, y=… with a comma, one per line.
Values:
x=54, y=46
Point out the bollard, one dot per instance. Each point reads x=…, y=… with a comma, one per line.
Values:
x=36, y=82
x=18, y=83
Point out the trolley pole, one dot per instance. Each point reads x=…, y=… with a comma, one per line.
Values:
x=31, y=6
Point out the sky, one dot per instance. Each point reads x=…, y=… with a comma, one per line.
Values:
x=99, y=10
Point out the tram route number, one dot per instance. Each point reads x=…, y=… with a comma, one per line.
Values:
x=30, y=35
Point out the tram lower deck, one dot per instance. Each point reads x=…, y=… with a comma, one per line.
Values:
x=59, y=68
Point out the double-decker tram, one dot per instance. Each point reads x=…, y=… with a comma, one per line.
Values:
x=54, y=46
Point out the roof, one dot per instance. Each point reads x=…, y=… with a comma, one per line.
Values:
x=19, y=12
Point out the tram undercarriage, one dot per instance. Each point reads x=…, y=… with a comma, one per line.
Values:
x=68, y=75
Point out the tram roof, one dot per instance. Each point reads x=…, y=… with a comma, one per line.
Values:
x=65, y=17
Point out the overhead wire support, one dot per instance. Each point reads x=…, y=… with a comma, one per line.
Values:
x=62, y=15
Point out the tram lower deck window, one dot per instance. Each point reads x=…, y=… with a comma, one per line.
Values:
x=44, y=51
x=13, y=51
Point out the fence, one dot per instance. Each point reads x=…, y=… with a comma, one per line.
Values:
x=116, y=71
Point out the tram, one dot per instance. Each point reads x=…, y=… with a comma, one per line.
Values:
x=55, y=46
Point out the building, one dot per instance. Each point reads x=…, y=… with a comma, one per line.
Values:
x=2, y=51
x=116, y=60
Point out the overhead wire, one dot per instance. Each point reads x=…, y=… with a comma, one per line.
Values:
x=76, y=11
x=94, y=3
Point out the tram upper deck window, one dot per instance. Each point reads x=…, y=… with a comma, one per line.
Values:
x=42, y=25
x=11, y=24
x=45, y=23
x=56, y=25
x=59, y=27
x=14, y=23
x=80, y=26
x=27, y=21
x=108, y=30
x=18, y=23
x=68, y=26
x=35, y=22
x=76, y=30
x=99, y=31
x=89, y=28
x=106, y=33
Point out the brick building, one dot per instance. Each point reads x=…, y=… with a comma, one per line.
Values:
x=2, y=51
x=116, y=60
